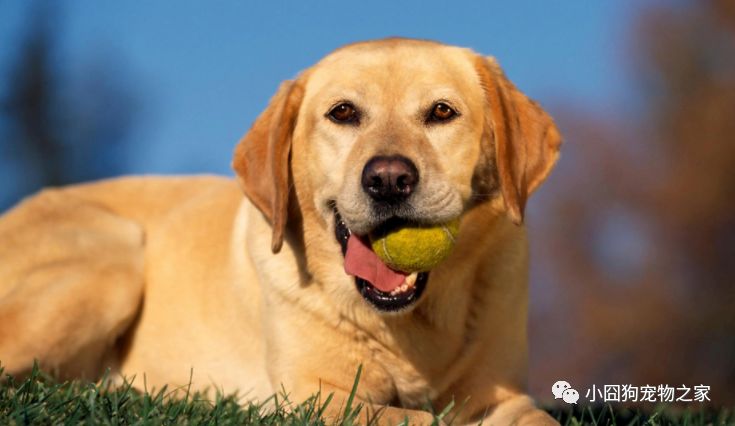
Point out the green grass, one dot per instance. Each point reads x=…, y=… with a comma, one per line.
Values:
x=662, y=415
x=40, y=400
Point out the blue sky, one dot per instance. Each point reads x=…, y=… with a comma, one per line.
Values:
x=202, y=71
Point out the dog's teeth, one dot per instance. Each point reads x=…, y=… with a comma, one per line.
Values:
x=408, y=283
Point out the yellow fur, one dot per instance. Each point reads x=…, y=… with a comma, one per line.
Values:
x=172, y=279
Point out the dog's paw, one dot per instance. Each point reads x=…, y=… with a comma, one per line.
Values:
x=536, y=418
x=410, y=418
x=519, y=411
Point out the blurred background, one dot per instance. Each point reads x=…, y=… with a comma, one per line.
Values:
x=633, y=236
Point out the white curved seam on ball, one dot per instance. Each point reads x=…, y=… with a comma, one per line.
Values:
x=449, y=234
x=385, y=251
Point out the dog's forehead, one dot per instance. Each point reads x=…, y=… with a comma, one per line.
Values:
x=398, y=63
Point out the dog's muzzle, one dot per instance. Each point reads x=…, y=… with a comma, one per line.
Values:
x=396, y=297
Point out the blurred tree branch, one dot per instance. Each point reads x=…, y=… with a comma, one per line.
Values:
x=62, y=129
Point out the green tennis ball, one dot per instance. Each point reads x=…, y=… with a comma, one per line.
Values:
x=415, y=248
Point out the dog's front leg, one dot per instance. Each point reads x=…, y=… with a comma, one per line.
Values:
x=370, y=413
x=378, y=414
x=519, y=410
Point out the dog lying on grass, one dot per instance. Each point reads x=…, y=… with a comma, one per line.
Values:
x=163, y=276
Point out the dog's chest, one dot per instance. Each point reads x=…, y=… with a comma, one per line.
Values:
x=413, y=390
x=419, y=372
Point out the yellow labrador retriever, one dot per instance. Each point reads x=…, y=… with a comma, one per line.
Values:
x=161, y=276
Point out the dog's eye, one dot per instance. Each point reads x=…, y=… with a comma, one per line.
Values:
x=441, y=112
x=344, y=113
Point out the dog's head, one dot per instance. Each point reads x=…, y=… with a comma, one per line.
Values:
x=393, y=130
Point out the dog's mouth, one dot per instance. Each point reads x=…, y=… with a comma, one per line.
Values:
x=386, y=289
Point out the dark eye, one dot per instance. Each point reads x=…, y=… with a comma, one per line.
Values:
x=344, y=113
x=441, y=112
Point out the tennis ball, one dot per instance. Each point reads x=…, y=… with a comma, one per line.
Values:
x=415, y=248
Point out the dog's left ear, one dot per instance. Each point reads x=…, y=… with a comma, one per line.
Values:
x=525, y=137
x=261, y=158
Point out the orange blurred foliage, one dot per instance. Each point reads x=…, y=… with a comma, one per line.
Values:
x=639, y=224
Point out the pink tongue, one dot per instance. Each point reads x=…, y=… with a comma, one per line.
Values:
x=361, y=261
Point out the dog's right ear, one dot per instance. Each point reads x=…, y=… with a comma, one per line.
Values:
x=261, y=158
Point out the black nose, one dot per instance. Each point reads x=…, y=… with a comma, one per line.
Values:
x=389, y=179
